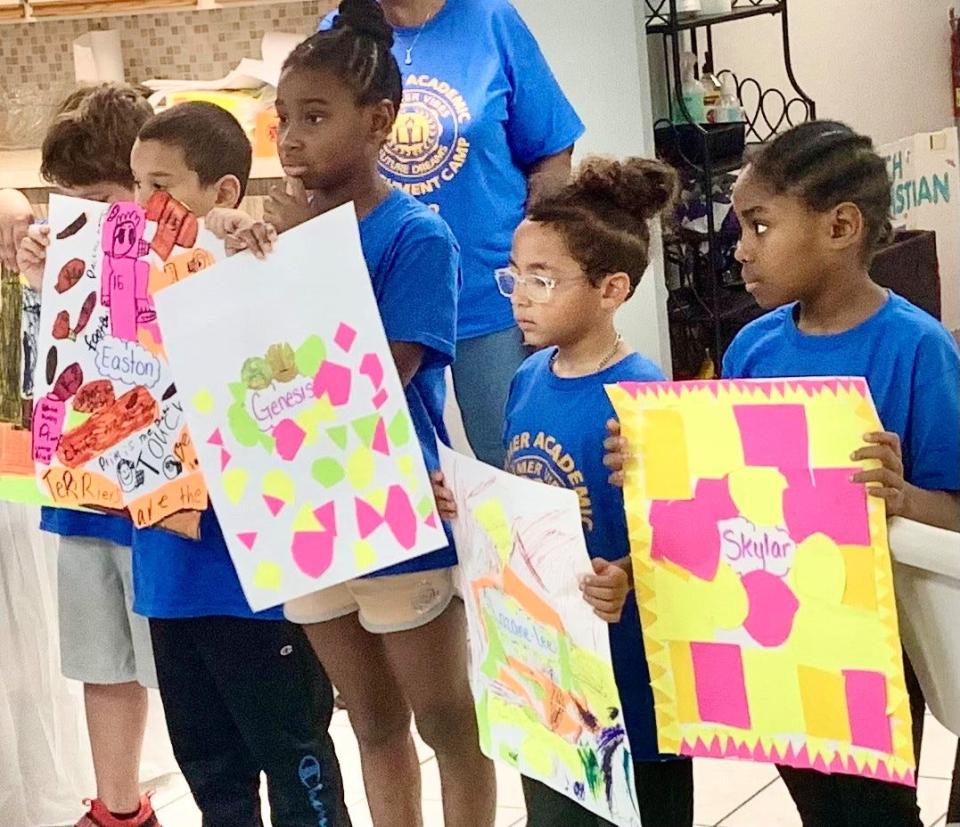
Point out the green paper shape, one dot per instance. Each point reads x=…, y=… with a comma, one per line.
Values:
x=243, y=427
x=339, y=436
x=239, y=391
x=310, y=356
x=328, y=472
x=399, y=430
x=425, y=507
x=365, y=428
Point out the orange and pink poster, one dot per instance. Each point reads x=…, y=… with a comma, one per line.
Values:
x=763, y=575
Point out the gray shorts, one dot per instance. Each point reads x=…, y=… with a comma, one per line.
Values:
x=101, y=640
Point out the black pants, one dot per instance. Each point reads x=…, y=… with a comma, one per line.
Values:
x=664, y=795
x=243, y=697
x=953, y=811
x=853, y=801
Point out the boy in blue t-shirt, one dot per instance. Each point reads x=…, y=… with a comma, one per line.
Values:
x=86, y=153
x=577, y=257
x=242, y=692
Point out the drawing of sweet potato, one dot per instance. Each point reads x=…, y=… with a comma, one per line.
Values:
x=94, y=396
x=70, y=274
x=51, y=364
x=68, y=382
x=133, y=411
x=61, y=325
x=73, y=227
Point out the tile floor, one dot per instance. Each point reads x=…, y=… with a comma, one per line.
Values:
x=729, y=794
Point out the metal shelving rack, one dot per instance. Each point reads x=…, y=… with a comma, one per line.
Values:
x=703, y=306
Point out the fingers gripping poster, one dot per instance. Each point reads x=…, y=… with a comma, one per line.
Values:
x=763, y=575
x=300, y=418
x=541, y=671
x=108, y=429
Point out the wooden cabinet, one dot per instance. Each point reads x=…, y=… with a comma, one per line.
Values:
x=11, y=9
x=54, y=8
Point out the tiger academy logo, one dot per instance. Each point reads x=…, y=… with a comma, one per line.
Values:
x=427, y=147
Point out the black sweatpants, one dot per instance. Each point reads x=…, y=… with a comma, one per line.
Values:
x=243, y=697
x=664, y=795
x=853, y=801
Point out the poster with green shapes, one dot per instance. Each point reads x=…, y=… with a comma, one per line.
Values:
x=298, y=415
x=541, y=671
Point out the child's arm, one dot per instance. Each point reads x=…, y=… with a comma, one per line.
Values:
x=241, y=232
x=288, y=206
x=16, y=215
x=408, y=357
x=935, y=508
x=607, y=588
x=446, y=504
x=32, y=254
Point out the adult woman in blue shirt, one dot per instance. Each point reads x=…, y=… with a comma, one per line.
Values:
x=483, y=127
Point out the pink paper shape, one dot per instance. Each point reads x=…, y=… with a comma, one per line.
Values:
x=289, y=439
x=216, y=438
x=431, y=520
x=368, y=520
x=867, y=708
x=248, y=538
x=225, y=458
x=721, y=689
x=380, y=443
x=372, y=368
x=400, y=517
x=345, y=337
x=825, y=501
x=774, y=436
x=380, y=398
x=313, y=551
x=327, y=517
x=334, y=380
x=772, y=608
x=274, y=504
x=685, y=531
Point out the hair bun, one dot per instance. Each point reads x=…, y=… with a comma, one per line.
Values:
x=638, y=186
x=365, y=18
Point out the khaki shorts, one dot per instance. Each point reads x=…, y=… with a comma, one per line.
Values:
x=396, y=603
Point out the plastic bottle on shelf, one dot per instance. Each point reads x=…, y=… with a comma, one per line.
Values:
x=687, y=7
x=692, y=91
x=729, y=109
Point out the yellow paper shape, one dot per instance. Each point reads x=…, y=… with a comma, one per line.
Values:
x=818, y=570
x=493, y=520
x=713, y=438
x=278, y=484
x=364, y=554
x=860, y=591
x=268, y=576
x=836, y=431
x=775, y=702
x=856, y=639
x=684, y=682
x=758, y=494
x=360, y=468
x=310, y=420
x=234, y=482
x=824, y=699
x=203, y=401
x=681, y=614
x=726, y=596
x=664, y=456
x=405, y=465
x=306, y=520
x=377, y=498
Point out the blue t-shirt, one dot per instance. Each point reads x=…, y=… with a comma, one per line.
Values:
x=69, y=523
x=554, y=433
x=910, y=362
x=480, y=108
x=414, y=267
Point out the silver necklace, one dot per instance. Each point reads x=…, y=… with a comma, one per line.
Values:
x=408, y=50
x=606, y=360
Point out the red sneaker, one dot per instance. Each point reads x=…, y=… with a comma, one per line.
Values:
x=100, y=816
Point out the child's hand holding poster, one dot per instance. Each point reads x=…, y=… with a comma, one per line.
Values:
x=763, y=575
x=108, y=427
x=541, y=670
x=301, y=421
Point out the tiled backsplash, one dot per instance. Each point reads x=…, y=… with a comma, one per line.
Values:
x=176, y=44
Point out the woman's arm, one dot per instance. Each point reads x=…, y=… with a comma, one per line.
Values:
x=549, y=174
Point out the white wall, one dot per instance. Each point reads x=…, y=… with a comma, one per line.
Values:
x=883, y=66
x=598, y=52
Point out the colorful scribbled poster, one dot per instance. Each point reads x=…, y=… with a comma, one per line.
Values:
x=763, y=575
x=108, y=429
x=300, y=418
x=542, y=677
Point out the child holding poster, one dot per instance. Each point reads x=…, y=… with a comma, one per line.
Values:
x=577, y=258
x=395, y=642
x=814, y=208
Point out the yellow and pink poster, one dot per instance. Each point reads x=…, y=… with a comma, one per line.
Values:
x=763, y=575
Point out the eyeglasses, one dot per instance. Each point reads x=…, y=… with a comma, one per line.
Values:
x=539, y=289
